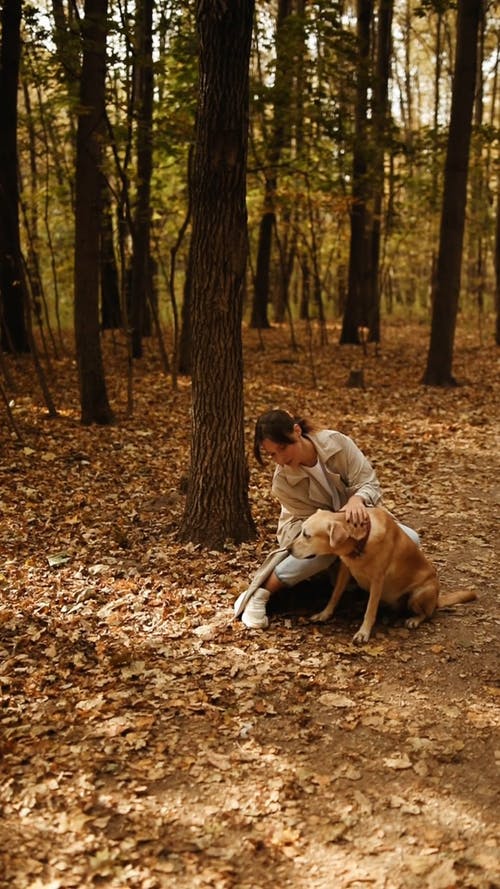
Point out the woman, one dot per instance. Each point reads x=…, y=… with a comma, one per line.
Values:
x=315, y=469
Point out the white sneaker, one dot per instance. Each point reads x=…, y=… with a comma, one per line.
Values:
x=254, y=616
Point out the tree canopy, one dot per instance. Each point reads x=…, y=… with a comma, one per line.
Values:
x=305, y=77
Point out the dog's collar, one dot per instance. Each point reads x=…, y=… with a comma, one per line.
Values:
x=359, y=545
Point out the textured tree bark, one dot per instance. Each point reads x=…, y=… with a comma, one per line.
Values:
x=217, y=506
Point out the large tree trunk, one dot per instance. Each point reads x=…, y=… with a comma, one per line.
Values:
x=217, y=507
x=93, y=396
x=357, y=305
x=447, y=283
x=14, y=336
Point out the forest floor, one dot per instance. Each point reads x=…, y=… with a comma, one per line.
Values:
x=149, y=740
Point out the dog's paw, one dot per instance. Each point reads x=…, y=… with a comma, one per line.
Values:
x=320, y=618
x=361, y=636
x=413, y=622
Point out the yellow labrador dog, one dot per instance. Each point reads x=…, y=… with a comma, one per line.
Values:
x=382, y=559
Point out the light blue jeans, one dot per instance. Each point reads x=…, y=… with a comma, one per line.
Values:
x=292, y=570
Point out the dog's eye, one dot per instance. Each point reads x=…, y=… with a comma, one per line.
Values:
x=305, y=534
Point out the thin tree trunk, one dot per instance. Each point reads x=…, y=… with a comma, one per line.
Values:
x=356, y=310
x=437, y=102
x=479, y=209
x=380, y=105
x=111, y=309
x=141, y=283
x=447, y=287
x=278, y=140
x=13, y=299
x=93, y=396
x=181, y=352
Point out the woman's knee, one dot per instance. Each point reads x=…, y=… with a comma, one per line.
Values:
x=292, y=570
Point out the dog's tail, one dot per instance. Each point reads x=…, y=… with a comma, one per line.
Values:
x=459, y=596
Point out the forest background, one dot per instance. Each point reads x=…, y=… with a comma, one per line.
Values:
x=147, y=737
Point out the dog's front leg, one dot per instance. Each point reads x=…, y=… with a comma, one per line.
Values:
x=343, y=576
x=366, y=627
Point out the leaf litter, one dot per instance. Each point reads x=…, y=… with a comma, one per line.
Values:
x=149, y=740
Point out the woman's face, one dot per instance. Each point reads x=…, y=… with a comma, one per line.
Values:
x=285, y=454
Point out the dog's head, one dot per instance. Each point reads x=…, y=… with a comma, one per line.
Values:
x=326, y=532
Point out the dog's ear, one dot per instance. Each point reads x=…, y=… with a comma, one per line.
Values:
x=338, y=533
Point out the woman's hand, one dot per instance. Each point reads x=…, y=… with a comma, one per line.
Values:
x=355, y=510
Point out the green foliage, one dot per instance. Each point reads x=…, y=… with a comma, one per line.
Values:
x=176, y=76
x=304, y=84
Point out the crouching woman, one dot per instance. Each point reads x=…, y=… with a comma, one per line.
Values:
x=315, y=469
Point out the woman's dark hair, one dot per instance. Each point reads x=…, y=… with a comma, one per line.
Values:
x=277, y=426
